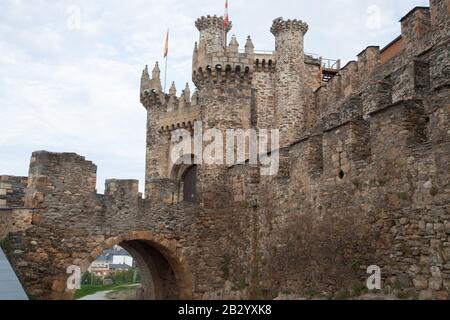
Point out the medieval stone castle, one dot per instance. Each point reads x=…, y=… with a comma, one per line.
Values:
x=364, y=177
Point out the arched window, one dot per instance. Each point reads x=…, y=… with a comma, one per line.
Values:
x=190, y=184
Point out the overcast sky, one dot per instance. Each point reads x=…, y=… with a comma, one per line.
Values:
x=70, y=70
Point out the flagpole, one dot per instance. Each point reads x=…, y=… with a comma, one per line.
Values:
x=225, y=24
x=165, y=74
x=166, y=56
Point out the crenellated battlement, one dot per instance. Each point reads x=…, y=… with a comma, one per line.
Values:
x=218, y=64
x=349, y=79
x=280, y=25
x=170, y=111
x=264, y=63
x=402, y=70
x=222, y=74
x=211, y=22
x=213, y=34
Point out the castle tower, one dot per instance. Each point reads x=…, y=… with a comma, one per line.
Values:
x=289, y=78
x=212, y=33
x=222, y=76
x=155, y=101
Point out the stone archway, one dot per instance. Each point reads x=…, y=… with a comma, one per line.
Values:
x=164, y=271
x=178, y=168
x=185, y=170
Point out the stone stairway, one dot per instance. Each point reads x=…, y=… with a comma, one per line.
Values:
x=10, y=287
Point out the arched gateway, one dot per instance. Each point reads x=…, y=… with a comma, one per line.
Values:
x=164, y=275
x=71, y=225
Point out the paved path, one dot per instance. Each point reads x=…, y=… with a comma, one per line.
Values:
x=105, y=295
x=10, y=287
x=98, y=296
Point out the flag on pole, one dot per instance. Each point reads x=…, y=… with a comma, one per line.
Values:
x=226, y=21
x=166, y=47
x=166, y=54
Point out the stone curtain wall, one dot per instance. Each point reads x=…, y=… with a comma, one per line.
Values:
x=364, y=182
x=12, y=191
x=13, y=215
x=366, y=185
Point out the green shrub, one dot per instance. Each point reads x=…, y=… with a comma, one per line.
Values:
x=89, y=278
x=242, y=284
x=343, y=295
x=355, y=265
x=397, y=286
x=434, y=191
x=359, y=289
x=402, y=295
x=311, y=293
x=275, y=293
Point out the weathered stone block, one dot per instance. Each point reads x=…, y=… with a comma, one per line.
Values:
x=435, y=284
x=420, y=282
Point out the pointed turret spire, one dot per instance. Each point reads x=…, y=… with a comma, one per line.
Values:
x=173, y=90
x=156, y=78
x=187, y=93
x=234, y=44
x=195, y=55
x=145, y=71
x=195, y=98
x=249, y=47
x=156, y=74
x=145, y=80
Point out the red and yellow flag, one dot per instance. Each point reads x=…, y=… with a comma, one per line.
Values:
x=166, y=47
x=226, y=21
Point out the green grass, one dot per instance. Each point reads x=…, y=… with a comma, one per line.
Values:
x=87, y=290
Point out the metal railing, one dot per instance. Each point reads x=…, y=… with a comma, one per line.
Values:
x=330, y=64
x=268, y=52
x=264, y=51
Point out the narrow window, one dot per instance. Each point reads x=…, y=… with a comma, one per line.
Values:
x=190, y=184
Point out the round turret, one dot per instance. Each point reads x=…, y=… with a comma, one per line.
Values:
x=212, y=33
x=211, y=22
x=280, y=25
